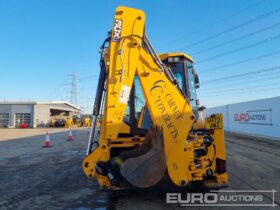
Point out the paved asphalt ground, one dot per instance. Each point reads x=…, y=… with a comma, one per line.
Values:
x=32, y=177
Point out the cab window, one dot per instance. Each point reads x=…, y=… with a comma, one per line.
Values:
x=178, y=71
x=191, y=85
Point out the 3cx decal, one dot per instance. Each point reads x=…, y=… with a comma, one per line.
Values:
x=117, y=31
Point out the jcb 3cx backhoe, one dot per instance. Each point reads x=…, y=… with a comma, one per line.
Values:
x=149, y=113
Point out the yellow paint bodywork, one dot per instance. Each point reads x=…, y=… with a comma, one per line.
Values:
x=219, y=141
x=87, y=122
x=69, y=122
x=167, y=107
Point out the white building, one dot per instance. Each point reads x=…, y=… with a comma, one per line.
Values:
x=259, y=117
x=35, y=114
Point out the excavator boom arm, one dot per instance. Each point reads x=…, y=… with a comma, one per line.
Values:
x=168, y=107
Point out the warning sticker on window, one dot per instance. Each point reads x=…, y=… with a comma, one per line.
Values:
x=124, y=96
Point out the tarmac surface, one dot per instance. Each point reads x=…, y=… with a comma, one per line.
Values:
x=32, y=177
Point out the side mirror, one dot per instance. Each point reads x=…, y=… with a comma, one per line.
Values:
x=201, y=108
x=196, y=79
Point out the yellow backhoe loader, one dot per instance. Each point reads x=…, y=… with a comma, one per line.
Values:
x=151, y=121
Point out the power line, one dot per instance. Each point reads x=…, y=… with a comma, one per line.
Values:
x=231, y=29
x=58, y=92
x=93, y=87
x=244, y=91
x=226, y=87
x=270, y=39
x=54, y=93
x=218, y=21
x=87, y=78
x=210, y=70
x=237, y=39
x=241, y=82
x=244, y=74
x=230, y=91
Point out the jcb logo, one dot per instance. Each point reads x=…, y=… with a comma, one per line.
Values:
x=117, y=30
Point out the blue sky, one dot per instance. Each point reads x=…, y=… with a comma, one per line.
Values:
x=42, y=42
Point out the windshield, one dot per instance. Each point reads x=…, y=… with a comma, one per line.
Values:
x=191, y=85
x=183, y=71
x=179, y=73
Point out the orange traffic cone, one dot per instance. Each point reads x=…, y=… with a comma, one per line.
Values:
x=47, y=141
x=70, y=136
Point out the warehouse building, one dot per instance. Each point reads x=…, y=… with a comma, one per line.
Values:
x=35, y=114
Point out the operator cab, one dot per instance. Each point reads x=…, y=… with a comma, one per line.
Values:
x=181, y=66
